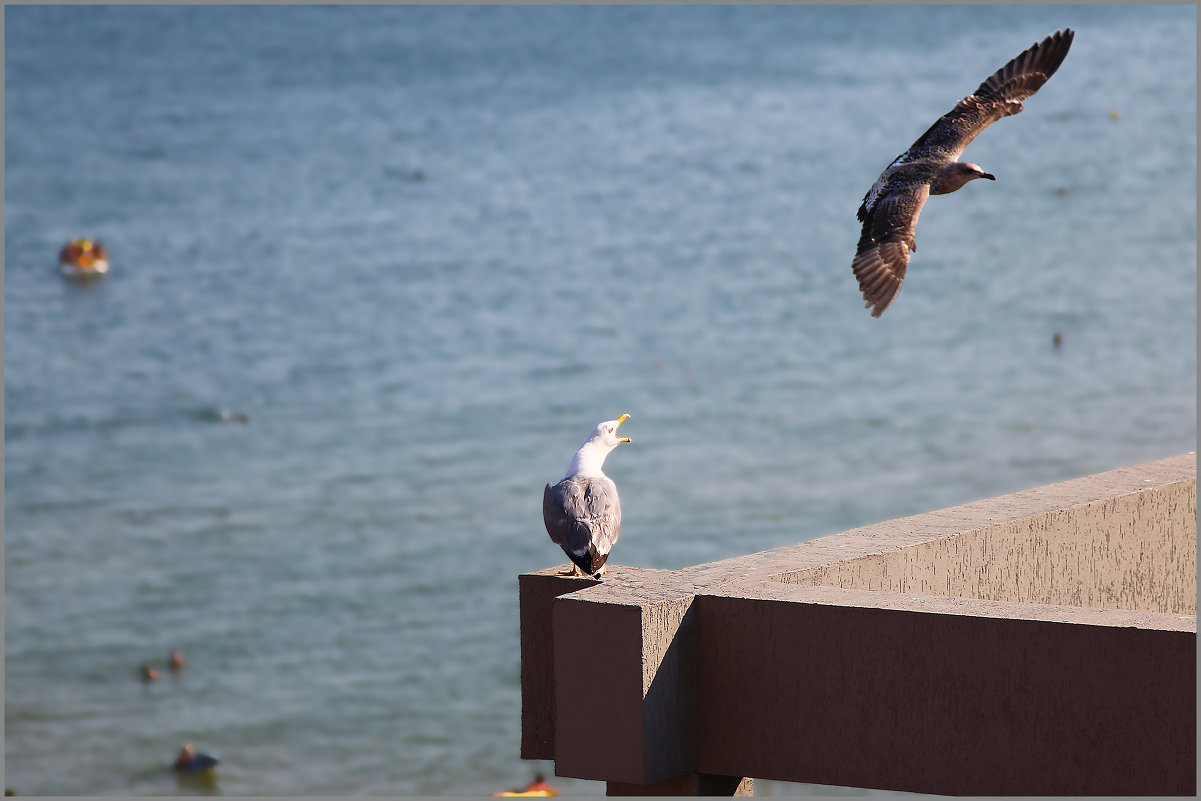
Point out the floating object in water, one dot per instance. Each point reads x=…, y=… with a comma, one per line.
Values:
x=1057, y=340
x=175, y=662
x=538, y=787
x=148, y=673
x=190, y=760
x=227, y=416
x=83, y=258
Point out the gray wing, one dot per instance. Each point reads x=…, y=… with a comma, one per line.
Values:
x=999, y=96
x=583, y=516
x=888, y=237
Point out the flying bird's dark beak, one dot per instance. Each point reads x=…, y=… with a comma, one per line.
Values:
x=621, y=420
x=988, y=175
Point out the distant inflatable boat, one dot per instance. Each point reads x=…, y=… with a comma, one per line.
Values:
x=83, y=258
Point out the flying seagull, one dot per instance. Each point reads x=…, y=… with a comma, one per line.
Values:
x=931, y=167
x=582, y=512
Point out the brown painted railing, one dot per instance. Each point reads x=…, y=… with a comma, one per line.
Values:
x=1042, y=642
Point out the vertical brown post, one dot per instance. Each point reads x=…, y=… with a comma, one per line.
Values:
x=625, y=683
x=598, y=690
x=536, y=591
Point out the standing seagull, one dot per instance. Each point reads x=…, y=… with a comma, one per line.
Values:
x=931, y=167
x=582, y=512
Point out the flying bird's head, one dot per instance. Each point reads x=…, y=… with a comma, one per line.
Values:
x=605, y=436
x=956, y=174
x=975, y=171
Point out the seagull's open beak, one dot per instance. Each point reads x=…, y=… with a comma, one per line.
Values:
x=621, y=420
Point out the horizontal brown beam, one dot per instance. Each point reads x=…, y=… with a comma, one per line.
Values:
x=943, y=699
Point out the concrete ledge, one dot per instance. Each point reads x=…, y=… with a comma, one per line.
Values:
x=1119, y=540
x=1039, y=642
x=1126, y=538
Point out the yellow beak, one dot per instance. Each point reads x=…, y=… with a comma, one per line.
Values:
x=621, y=420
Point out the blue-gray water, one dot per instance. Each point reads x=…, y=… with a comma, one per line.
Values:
x=425, y=249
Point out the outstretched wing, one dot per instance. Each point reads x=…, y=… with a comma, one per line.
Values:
x=999, y=96
x=583, y=515
x=891, y=207
x=886, y=240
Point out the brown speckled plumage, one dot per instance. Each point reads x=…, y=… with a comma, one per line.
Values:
x=930, y=166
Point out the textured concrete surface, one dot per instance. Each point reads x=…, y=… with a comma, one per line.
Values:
x=1061, y=544
x=1039, y=642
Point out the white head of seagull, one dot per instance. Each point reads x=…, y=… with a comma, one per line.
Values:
x=600, y=443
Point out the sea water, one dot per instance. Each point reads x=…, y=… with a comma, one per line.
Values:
x=423, y=250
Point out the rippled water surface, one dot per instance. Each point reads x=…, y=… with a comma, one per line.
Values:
x=425, y=249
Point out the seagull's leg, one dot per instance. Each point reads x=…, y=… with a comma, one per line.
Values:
x=575, y=571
